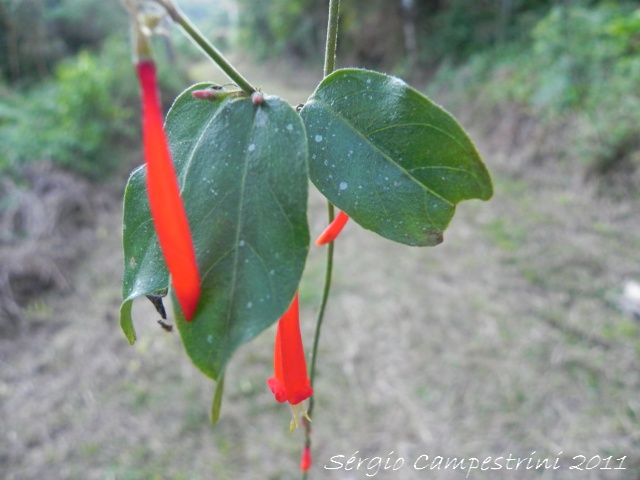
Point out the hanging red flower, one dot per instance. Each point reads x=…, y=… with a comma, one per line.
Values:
x=167, y=210
x=290, y=382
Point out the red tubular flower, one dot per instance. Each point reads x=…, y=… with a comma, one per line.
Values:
x=333, y=230
x=305, y=461
x=167, y=210
x=290, y=382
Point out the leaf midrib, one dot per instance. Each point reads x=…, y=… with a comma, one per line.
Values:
x=234, y=274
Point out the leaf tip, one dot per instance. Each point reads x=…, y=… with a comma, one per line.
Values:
x=126, y=323
x=430, y=238
x=435, y=238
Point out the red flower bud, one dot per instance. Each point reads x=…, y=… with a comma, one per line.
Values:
x=305, y=461
x=257, y=98
x=206, y=94
x=333, y=230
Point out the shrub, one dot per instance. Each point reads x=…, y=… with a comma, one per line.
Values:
x=582, y=64
x=78, y=117
x=71, y=118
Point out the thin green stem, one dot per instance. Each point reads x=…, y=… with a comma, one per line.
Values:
x=316, y=337
x=323, y=306
x=332, y=37
x=212, y=52
x=329, y=67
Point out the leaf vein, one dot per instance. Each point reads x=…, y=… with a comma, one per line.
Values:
x=384, y=154
x=422, y=124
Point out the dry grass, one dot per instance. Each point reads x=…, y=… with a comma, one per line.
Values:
x=45, y=224
x=501, y=341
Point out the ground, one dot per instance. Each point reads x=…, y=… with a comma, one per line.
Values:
x=505, y=340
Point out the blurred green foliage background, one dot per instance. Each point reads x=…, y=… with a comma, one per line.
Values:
x=68, y=92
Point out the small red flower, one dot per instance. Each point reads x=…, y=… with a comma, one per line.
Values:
x=305, y=461
x=290, y=382
x=333, y=230
x=167, y=210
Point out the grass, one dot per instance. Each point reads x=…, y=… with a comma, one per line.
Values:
x=500, y=341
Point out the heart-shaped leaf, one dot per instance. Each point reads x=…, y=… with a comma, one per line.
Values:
x=243, y=175
x=145, y=271
x=387, y=156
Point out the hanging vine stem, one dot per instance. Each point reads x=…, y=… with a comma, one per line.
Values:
x=329, y=67
x=332, y=38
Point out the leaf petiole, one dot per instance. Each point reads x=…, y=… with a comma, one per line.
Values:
x=207, y=47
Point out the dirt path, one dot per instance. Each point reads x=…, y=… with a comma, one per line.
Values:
x=502, y=341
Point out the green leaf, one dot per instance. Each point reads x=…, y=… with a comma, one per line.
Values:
x=388, y=157
x=145, y=271
x=243, y=175
x=245, y=191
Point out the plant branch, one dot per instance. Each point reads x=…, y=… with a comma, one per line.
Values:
x=316, y=337
x=201, y=41
x=332, y=37
x=323, y=305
